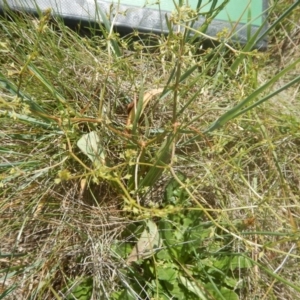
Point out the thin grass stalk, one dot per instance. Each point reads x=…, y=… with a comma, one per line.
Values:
x=257, y=37
x=212, y=13
x=138, y=107
x=188, y=32
x=237, y=110
x=34, y=107
x=43, y=22
x=161, y=162
x=276, y=276
x=279, y=19
x=296, y=80
x=107, y=33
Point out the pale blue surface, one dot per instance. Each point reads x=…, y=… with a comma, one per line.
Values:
x=235, y=10
x=148, y=16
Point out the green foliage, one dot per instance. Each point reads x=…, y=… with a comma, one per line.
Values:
x=7, y=292
x=80, y=289
x=194, y=261
x=193, y=159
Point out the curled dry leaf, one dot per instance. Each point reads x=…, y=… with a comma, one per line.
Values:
x=131, y=108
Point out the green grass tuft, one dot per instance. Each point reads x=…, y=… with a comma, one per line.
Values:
x=191, y=194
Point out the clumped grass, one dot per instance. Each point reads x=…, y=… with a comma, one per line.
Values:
x=183, y=196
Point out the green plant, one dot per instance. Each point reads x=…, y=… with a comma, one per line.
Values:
x=169, y=200
x=183, y=256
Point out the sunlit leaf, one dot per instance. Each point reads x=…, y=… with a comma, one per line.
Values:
x=90, y=145
x=240, y=262
x=147, y=244
x=168, y=273
x=83, y=290
x=221, y=294
x=192, y=287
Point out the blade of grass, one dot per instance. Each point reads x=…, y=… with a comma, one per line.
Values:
x=12, y=88
x=257, y=37
x=288, y=11
x=107, y=33
x=162, y=160
x=276, y=276
x=237, y=110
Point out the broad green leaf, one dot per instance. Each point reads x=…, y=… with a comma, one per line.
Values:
x=223, y=262
x=90, y=145
x=162, y=289
x=199, y=233
x=163, y=255
x=176, y=290
x=169, y=239
x=240, y=262
x=192, y=287
x=233, y=283
x=147, y=244
x=121, y=249
x=124, y=295
x=82, y=291
x=168, y=273
x=228, y=294
x=221, y=294
x=233, y=262
x=174, y=193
